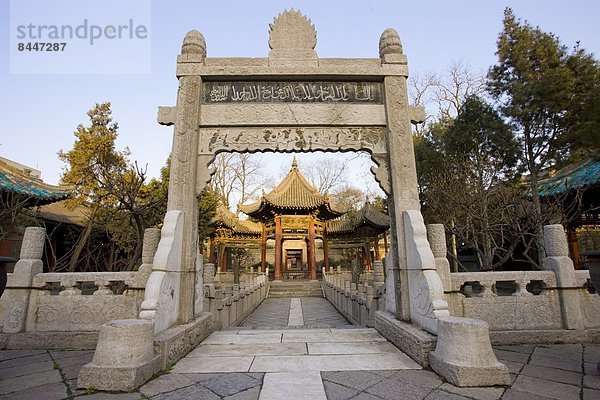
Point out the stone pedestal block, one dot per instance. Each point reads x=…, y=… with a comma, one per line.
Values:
x=464, y=354
x=124, y=357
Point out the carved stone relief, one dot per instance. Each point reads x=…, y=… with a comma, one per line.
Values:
x=214, y=140
x=288, y=139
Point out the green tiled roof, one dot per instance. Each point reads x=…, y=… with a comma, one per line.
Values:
x=574, y=176
x=16, y=181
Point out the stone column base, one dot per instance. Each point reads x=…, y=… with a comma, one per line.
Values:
x=119, y=379
x=464, y=376
x=124, y=357
x=464, y=354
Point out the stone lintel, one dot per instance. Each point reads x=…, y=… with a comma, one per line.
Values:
x=295, y=114
x=253, y=68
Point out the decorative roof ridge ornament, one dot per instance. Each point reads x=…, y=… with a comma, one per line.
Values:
x=295, y=163
x=292, y=39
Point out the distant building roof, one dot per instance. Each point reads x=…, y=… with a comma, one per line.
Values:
x=367, y=218
x=293, y=195
x=20, y=181
x=59, y=212
x=574, y=176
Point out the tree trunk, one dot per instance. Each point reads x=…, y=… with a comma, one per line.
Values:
x=139, y=235
x=82, y=241
x=539, y=234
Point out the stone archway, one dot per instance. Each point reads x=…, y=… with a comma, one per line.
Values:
x=292, y=101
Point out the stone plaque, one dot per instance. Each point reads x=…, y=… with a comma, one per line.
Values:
x=293, y=92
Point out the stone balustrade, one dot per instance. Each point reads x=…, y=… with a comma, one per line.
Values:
x=507, y=300
x=357, y=303
x=66, y=310
x=230, y=304
x=529, y=306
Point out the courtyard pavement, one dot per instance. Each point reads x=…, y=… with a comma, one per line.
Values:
x=303, y=349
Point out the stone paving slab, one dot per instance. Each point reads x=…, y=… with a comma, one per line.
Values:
x=351, y=348
x=546, y=388
x=197, y=365
x=559, y=363
x=282, y=331
x=552, y=374
x=305, y=386
x=227, y=338
x=346, y=362
x=268, y=349
x=29, y=381
x=335, y=336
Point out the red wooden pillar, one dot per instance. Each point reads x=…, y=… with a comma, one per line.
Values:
x=311, y=250
x=376, y=249
x=263, y=249
x=278, y=238
x=573, y=246
x=222, y=258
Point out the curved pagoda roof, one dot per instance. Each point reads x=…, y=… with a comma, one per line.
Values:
x=225, y=218
x=14, y=180
x=367, y=220
x=295, y=196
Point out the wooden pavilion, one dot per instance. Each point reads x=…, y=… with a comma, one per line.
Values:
x=298, y=220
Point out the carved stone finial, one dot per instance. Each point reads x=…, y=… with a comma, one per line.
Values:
x=389, y=43
x=295, y=163
x=194, y=43
x=292, y=36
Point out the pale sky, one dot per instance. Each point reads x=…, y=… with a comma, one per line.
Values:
x=40, y=111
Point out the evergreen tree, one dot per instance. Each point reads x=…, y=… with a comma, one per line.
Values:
x=541, y=88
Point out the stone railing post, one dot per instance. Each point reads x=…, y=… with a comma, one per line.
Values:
x=437, y=240
x=16, y=302
x=149, y=247
x=558, y=260
x=378, y=275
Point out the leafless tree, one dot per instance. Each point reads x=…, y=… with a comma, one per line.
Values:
x=328, y=175
x=444, y=93
x=455, y=85
x=238, y=177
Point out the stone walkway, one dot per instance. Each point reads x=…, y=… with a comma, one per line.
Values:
x=312, y=361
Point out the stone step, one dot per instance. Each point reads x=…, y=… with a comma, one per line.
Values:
x=295, y=289
x=294, y=294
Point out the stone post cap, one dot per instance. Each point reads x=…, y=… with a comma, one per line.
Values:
x=437, y=239
x=555, y=241
x=32, y=247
